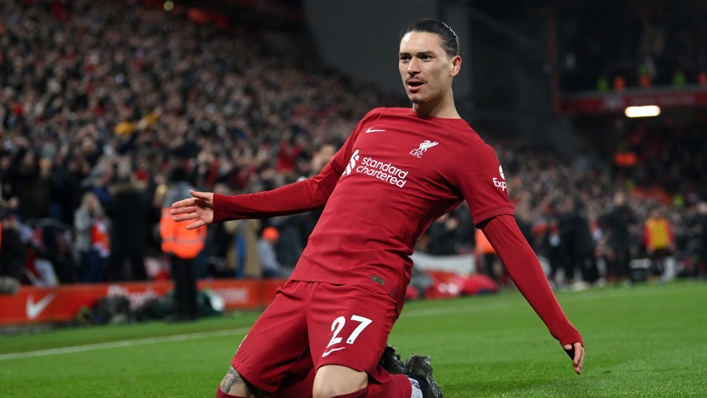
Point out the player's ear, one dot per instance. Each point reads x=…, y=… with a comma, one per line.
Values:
x=456, y=64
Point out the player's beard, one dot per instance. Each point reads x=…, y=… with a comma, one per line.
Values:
x=416, y=98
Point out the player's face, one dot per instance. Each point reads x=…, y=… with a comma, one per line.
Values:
x=425, y=68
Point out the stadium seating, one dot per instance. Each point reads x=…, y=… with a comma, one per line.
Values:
x=92, y=97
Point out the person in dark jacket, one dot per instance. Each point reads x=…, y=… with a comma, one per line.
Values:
x=12, y=252
x=619, y=223
x=578, y=245
x=702, y=233
x=129, y=211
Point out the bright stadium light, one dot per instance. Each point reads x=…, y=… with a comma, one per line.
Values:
x=643, y=111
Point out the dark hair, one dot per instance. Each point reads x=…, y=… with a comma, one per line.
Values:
x=450, y=41
x=177, y=174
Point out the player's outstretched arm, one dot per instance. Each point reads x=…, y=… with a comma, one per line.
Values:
x=206, y=207
x=200, y=209
x=294, y=198
x=524, y=268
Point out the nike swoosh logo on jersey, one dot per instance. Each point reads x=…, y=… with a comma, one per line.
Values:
x=332, y=350
x=372, y=130
x=33, y=310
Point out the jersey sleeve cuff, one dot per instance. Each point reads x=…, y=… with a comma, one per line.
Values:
x=220, y=214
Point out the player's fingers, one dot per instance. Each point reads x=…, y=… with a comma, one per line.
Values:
x=182, y=210
x=196, y=224
x=579, y=358
x=201, y=195
x=183, y=203
x=186, y=217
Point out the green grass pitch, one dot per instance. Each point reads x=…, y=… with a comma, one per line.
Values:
x=647, y=341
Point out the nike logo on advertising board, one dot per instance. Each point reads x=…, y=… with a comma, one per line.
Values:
x=332, y=350
x=33, y=310
x=372, y=130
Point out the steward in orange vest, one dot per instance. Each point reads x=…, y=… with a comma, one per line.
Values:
x=176, y=238
x=182, y=245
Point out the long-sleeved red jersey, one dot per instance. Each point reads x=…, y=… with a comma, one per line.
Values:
x=396, y=174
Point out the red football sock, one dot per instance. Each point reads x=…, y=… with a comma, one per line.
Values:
x=221, y=394
x=399, y=386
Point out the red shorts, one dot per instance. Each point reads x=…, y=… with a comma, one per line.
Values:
x=311, y=324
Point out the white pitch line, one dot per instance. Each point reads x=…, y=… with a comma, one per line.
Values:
x=221, y=333
x=123, y=343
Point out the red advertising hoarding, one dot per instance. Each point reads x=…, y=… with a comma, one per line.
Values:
x=35, y=305
x=615, y=101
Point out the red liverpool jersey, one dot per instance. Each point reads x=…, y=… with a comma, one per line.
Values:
x=396, y=174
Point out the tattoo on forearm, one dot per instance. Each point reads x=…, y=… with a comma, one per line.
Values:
x=232, y=377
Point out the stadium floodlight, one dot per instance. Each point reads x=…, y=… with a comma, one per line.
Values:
x=642, y=111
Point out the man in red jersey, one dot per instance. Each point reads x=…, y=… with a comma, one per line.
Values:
x=399, y=171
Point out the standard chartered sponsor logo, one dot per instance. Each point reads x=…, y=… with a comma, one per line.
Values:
x=383, y=171
x=352, y=163
x=376, y=169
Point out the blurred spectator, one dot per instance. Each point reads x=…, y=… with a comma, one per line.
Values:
x=246, y=251
x=490, y=264
x=659, y=240
x=182, y=245
x=445, y=235
x=290, y=245
x=580, y=246
x=524, y=218
x=234, y=245
x=619, y=223
x=130, y=215
x=548, y=230
x=34, y=186
x=702, y=238
x=12, y=250
x=269, y=264
x=91, y=241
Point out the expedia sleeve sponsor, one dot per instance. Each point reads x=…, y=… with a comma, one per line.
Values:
x=484, y=187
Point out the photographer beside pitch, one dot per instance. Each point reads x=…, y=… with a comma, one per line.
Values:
x=400, y=169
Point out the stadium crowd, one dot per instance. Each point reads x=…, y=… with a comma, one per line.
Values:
x=99, y=105
x=623, y=44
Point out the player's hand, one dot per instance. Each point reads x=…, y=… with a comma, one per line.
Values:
x=576, y=352
x=199, y=208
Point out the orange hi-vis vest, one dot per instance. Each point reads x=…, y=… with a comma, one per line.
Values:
x=483, y=245
x=177, y=239
x=658, y=234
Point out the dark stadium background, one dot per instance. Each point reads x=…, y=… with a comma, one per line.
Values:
x=106, y=97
